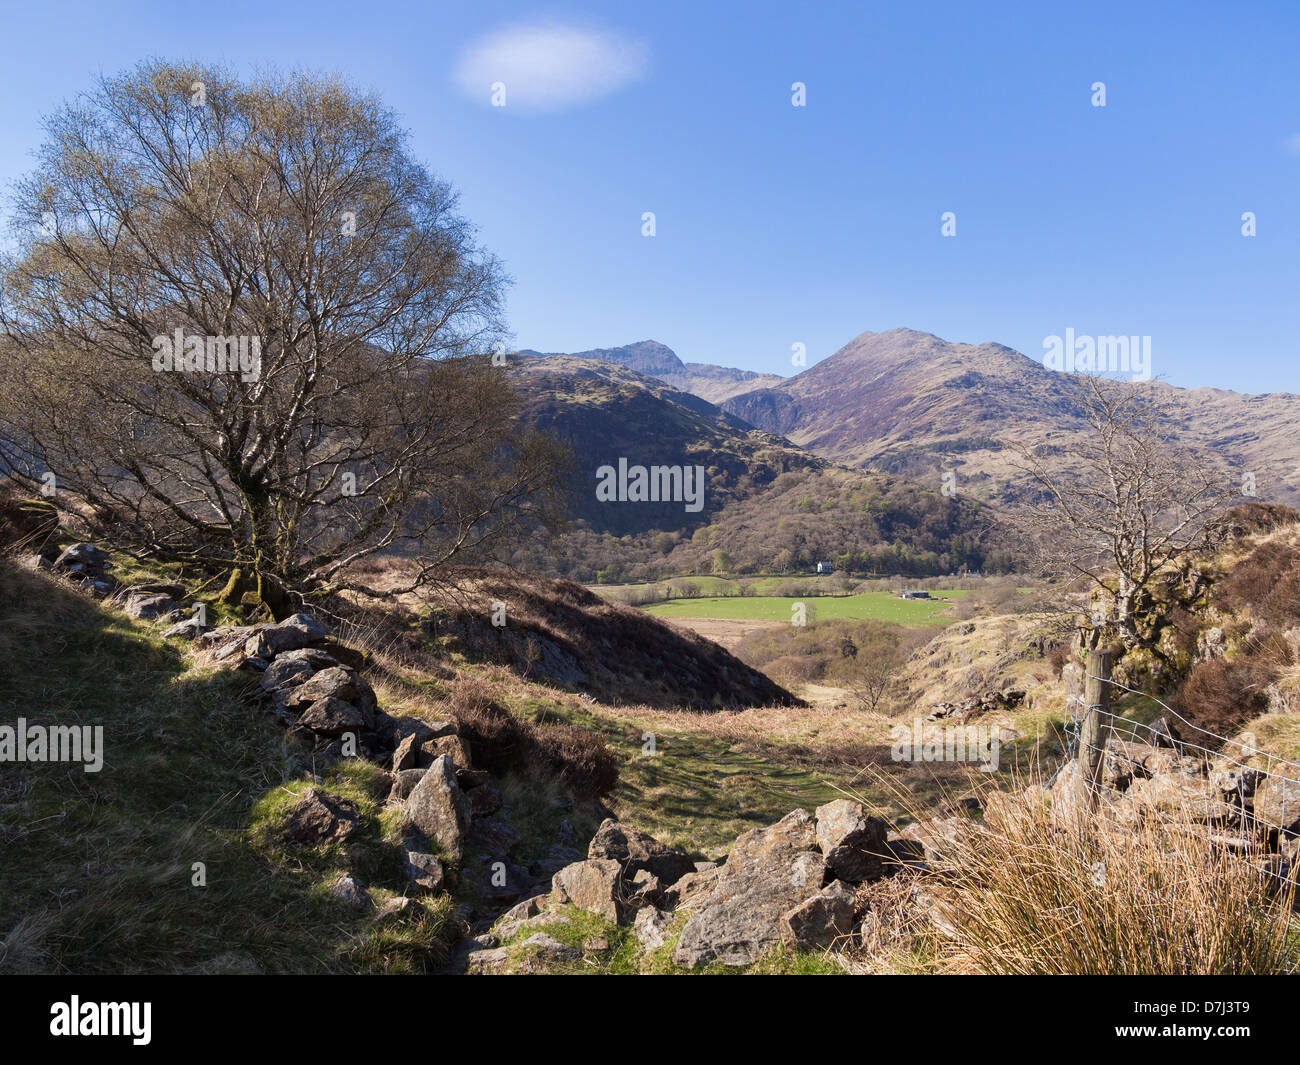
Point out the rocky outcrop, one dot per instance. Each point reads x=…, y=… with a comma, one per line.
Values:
x=793, y=883
x=437, y=808
x=638, y=852
x=768, y=872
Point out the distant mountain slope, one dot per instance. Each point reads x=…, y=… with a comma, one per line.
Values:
x=649, y=357
x=908, y=402
x=607, y=413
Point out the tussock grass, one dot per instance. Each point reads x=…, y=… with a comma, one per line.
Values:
x=1044, y=888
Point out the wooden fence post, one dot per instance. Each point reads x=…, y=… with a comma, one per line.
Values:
x=1096, y=722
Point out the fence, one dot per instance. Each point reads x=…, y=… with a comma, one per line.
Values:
x=1097, y=723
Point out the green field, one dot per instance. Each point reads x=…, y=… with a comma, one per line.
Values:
x=880, y=606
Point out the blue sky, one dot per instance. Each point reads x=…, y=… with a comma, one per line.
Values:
x=777, y=224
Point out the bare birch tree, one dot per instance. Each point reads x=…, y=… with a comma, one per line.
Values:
x=1127, y=505
x=253, y=334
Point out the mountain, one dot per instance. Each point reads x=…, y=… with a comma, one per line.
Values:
x=608, y=413
x=911, y=403
x=649, y=357
x=767, y=505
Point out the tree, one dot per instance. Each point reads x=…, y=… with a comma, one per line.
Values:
x=870, y=665
x=1132, y=504
x=252, y=334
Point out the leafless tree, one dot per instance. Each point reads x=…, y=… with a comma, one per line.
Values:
x=1128, y=504
x=178, y=207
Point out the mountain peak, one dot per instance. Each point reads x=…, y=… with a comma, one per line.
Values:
x=645, y=356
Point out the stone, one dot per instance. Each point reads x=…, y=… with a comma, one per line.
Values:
x=651, y=927
x=294, y=667
x=424, y=870
x=594, y=885
x=852, y=844
x=503, y=881
x=818, y=922
x=692, y=889
x=1277, y=803
x=483, y=961
x=521, y=911
x=347, y=888
x=437, y=807
x=548, y=948
x=453, y=747
x=1181, y=796
x=495, y=836
x=407, y=753
x=636, y=851
x=646, y=889
x=149, y=607
x=319, y=818
x=768, y=872
x=332, y=717
x=337, y=682
x=81, y=557
x=404, y=783
x=189, y=629
x=424, y=730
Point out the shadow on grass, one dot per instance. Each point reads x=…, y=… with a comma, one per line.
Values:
x=150, y=864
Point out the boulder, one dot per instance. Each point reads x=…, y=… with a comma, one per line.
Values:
x=404, y=783
x=852, y=844
x=189, y=629
x=149, y=606
x=81, y=558
x=595, y=885
x=452, y=746
x=1277, y=803
x=651, y=927
x=816, y=923
x=332, y=717
x=1181, y=796
x=407, y=753
x=294, y=667
x=319, y=818
x=347, y=888
x=336, y=682
x=437, y=807
x=769, y=871
x=424, y=870
x=636, y=851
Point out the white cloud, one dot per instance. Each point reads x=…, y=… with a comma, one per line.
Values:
x=548, y=66
x=1292, y=144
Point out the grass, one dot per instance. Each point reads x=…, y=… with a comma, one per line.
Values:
x=1041, y=887
x=878, y=606
x=102, y=871
x=623, y=955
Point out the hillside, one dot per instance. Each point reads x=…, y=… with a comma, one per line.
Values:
x=606, y=413
x=767, y=506
x=908, y=402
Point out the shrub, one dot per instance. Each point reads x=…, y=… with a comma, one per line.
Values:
x=582, y=760
x=1266, y=582
x=1220, y=696
x=501, y=743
